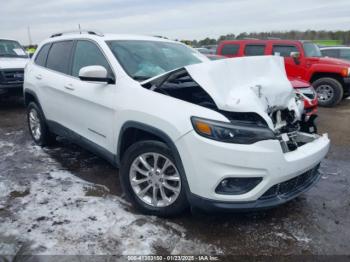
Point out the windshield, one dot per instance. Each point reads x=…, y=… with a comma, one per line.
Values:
x=146, y=59
x=312, y=50
x=9, y=48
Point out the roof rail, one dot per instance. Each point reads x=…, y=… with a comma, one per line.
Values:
x=90, y=32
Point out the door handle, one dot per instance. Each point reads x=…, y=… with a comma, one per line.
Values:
x=39, y=77
x=69, y=87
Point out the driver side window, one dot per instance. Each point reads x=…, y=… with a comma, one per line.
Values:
x=88, y=54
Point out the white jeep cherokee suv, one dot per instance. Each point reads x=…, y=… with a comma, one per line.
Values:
x=183, y=130
x=12, y=62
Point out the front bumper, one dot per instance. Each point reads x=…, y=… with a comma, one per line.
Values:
x=11, y=86
x=347, y=85
x=275, y=196
x=346, y=80
x=11, y=79
x=207, y=163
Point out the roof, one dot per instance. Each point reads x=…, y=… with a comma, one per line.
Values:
x=103, y=37
x=286, y=41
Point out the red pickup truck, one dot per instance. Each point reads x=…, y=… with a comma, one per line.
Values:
x=303, y=60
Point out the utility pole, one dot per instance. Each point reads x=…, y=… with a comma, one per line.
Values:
x=29, y=36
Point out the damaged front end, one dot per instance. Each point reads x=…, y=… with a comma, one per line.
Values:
x=251, y=92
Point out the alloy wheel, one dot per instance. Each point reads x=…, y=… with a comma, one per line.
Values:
x=34, y=124
x=325, y=93
x=155, y=179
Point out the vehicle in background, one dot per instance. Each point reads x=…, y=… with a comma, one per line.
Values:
x=180, y=132
x=212, y=48
x=303, y=60
x=307, y=93
x=215, y=57
x=204, y=51
x=341, y=52
x=13, y=59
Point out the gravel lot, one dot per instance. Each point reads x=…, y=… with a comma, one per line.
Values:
x=65, y=200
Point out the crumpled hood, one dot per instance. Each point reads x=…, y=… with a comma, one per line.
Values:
x=247, y=84
x=244, y=85
x=12, y=62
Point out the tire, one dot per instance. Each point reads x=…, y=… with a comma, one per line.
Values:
x=37, y=126
x=172, y=203
x=329, y=91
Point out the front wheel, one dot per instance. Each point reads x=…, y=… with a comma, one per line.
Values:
x=329, y=91
x=151, y=180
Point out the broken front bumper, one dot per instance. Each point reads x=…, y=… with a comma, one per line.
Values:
x=207, y=163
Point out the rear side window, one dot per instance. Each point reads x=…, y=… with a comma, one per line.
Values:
x=284, y=50
x=40, y=59
x=254, y=50
x=59, y=56
x=88, y=54
x=230, y=49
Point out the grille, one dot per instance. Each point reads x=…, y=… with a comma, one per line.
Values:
x=13, y=76
x=292, y=186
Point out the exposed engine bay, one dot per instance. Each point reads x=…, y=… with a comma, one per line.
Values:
x=279, y=110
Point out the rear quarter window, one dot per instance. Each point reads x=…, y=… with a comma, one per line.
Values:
x=254, y=50
x=40, y=59
x=230, y=49
x=59, y=56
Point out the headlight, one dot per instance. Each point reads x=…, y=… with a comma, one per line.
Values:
x=345, y=72
x=231, y=133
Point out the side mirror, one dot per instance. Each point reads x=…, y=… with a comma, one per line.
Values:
x=295, y=56
x=95, y=73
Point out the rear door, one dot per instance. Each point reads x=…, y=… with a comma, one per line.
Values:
x=93, y=103
x=54, y=78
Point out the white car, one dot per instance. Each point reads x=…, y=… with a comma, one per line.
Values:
x=13, y=59
x=182, y=130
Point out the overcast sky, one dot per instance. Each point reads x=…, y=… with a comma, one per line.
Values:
x=181, y=19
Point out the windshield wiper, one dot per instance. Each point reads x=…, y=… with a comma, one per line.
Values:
x=140, y=78
x=8, y=55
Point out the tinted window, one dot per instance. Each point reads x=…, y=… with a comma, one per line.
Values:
x=40, y=59
x=88, y=54
x=59, y=56
x=253, y=50
x=330, y=52
x=345, y=54
x=230, y=49
x=284, y=50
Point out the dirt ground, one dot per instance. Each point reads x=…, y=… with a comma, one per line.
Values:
x=65, y=200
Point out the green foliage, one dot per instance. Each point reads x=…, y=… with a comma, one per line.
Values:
x=321, y=37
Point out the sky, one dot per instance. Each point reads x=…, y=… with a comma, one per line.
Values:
x=175, y=19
